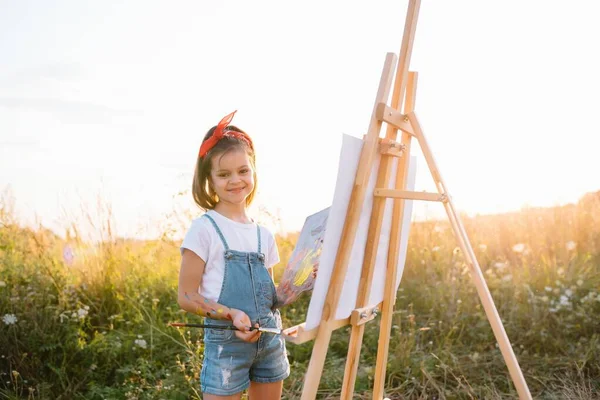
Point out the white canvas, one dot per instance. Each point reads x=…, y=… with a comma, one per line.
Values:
x=348, y=165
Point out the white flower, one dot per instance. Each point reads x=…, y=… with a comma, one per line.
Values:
x=436, y=248
x=482, y=247
x=548, y=289
x=2, y=284
x=564, y=301
x=82, y=313
x=87, y=308
x=560, y=271
x=10, y=319
x=569, y=292
x=500, y=265
x=518, y=248
x=579, y=282
x=141, y=343
x=570, y=245
x=507, y=278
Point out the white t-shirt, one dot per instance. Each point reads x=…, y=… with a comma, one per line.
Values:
x=202, y=238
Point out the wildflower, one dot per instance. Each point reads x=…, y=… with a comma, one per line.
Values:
x=518, y=248
x=548, y=289
x=435, y=249
x=141, y=343
x=93, y=367
x=507, y=278
x=570, y=245
x=544, y=299
x=2, y=284
x=579, y=282
x=564, y=301
x=10, y=319
x=82, y=313
x=500, y=265
x=569, y=292
x=482, y=247
x=560, y=271
x=155, y=301
x=456, y=251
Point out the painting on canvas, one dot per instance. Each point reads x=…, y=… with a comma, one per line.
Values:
x=298, y=275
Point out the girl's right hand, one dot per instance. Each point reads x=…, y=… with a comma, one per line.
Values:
x=243, y=323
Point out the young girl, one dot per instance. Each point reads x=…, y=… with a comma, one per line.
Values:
x=226, y=273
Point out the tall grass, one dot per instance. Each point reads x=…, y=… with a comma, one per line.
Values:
x=93, y=325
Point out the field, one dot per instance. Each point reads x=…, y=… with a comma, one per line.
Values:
x=88, y=321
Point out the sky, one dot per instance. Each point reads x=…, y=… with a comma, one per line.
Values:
x=107, y=102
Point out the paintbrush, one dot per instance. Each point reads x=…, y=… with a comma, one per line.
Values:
x=274, y=331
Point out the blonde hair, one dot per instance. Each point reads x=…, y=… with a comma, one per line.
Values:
x=204, y=195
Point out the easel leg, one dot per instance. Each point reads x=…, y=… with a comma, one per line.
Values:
x=389, y=297
x=315, y=366
x=482, y=289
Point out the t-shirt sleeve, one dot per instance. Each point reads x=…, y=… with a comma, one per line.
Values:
x=273, y=256
x=197, y=239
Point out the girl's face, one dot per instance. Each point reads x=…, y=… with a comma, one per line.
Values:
x=232, y=176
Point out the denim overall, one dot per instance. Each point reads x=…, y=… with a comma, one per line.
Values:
x=230, y=363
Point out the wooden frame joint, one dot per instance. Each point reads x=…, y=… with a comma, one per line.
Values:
x=389, y=147
x=363, y=315
x=393, y=117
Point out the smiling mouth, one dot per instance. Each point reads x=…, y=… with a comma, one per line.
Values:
x=236, y=190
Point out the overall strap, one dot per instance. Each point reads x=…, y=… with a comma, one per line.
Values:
x=258, y=233
x=219, y=232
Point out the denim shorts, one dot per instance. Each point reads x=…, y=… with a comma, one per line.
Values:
x=230, y=363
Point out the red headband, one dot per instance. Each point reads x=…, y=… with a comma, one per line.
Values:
x=220, y=132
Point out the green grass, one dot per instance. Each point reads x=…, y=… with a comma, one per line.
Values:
x=96, y=329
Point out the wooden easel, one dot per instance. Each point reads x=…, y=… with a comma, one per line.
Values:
x=405, y=83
